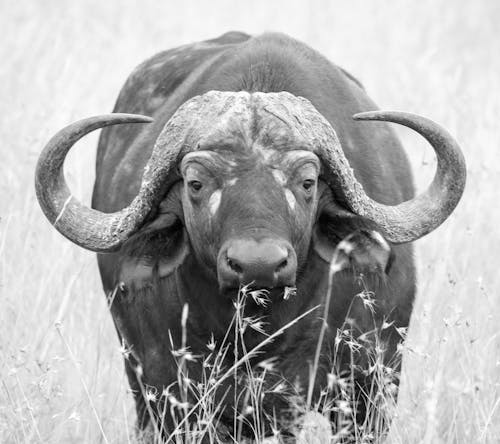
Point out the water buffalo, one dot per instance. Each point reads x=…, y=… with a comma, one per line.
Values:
x=249, y=172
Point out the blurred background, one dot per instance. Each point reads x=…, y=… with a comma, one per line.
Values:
x=62, y=61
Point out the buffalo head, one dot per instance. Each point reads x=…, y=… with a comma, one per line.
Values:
x=253, y=173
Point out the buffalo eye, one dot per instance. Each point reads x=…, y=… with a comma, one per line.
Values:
x=195, y=185
x=308, y=184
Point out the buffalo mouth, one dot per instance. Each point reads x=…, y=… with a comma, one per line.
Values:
x=259, y=296
x=258, y=307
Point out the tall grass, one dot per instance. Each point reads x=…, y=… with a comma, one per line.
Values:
x=61, y=370
x=197, y=411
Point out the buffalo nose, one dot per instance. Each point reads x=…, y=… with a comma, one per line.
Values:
x=265, y=263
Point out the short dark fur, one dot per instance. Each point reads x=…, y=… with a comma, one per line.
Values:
x=144, y=312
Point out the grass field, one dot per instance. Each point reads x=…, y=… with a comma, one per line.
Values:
x=60, y=365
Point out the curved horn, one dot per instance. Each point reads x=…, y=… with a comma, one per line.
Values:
x=84, y=226
x=102, y=232
x=417, y=217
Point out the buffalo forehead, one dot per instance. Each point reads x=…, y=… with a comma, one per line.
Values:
x=252, y=128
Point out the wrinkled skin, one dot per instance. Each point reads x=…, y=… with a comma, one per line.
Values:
x=255, y=198
x=244, y=193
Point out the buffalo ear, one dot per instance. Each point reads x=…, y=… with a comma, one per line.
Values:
x=158, y=248
x=158, y=258
x=355, y=244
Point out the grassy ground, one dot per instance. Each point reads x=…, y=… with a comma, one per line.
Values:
x=61, y=61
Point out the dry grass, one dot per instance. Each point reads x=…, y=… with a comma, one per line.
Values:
x=65, y=60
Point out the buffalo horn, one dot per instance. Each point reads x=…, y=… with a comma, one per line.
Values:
x=89, y=228
x=416, y=217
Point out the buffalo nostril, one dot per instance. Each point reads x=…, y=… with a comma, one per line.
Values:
x=281, y=265
x=234, y=266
